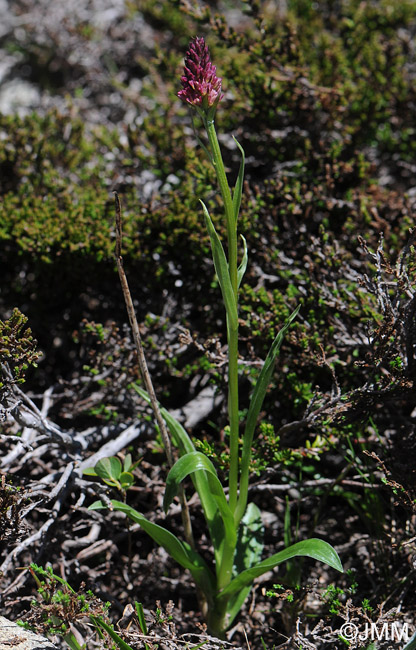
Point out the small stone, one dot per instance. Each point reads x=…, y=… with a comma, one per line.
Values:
x=14, y=637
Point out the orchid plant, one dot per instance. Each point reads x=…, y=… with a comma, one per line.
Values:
x=234, y=526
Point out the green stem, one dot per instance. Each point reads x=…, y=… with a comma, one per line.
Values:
x=228, y=202
x=244, y=483
x=233, y=403
x=225, y=569
x=233, y=415
x=217, y=621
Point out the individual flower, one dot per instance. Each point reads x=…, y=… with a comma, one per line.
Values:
x=201, y=86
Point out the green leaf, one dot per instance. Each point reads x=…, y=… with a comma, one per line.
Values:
x=71, y=641
x=256, y=403
x=249, y=550
x=221, y=269
x=242, y=268
x=127, y=463
x=140, y=617
x=250, y=539
x=224, y=537
x=293, y=567
x=185, y=445
x=201, y=144
x=186, y=465
x=108, y=468
x=263, y=380
x=180, y=437
x=89, y=471
x=98, y=622
x=98, y=505
x=239, y=183
x=314, y=548
x=126, y=480
x=181, y=552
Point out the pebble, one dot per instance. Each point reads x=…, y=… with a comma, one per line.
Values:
x=17, y=638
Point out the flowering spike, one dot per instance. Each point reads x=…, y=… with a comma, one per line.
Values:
x=201, y=86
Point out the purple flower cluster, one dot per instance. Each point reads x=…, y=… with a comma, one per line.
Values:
x=201, y=86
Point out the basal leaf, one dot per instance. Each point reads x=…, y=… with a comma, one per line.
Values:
x=314, y=548
x=180, y=551
x=197, y=462
x=225, y=538
x=187, y=464
x=185, y=445
x=249, y=550
x=249, y=547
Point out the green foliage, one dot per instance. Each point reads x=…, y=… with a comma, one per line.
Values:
x=331, y=596
x=56, y=192
x=60, y=608
x=18, y=348
x=113, y=473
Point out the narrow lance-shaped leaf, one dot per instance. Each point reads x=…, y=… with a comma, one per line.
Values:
x=140, y=617
x=72, y=643
x=221, y=269
x=201, y=144
x=224, y=544
x=242, y=268
x=187, y=465
x=179, y=435
x=263, y=380
x=250, y=540
x=100, y=623
x=239, y=183
x=181, y=552
x=185, y=445
x=256, y=403
x=316, y=549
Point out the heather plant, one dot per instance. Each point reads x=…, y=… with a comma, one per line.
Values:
x=60, y=609
x=234, y=525
x=18, y=350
